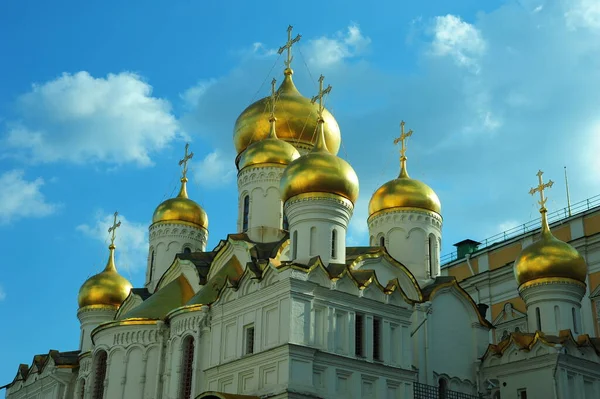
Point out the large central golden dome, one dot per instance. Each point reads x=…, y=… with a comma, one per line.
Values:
x=181, y=209
x=107, y=288
x=296, y=120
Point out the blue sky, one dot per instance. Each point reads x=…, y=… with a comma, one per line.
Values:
x=97, y=101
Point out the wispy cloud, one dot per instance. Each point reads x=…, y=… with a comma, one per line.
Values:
x=458, y=39
x=214, y=171
x=329, y=51
x=20, y=198
x=131, y=240
x=82, y=119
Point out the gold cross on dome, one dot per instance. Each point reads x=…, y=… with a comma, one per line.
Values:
x=288, y=46
x=540, y=188
x=402, y=140
x=273, y=97
x=185, y=160
x=112, y=229
x=322, y=93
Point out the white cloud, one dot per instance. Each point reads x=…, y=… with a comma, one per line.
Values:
x=82, y=119
x=326, y=52
x=131, y=241
x=191, y=96
x=582, y=14
x=2, y=293
x=458, y=39
x=20, y=198
x=214, y=171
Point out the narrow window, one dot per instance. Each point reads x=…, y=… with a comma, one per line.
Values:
x=294, y=245
x=187, y=250
x=334, y=243
x=522, y=393
x=99, y=375
x=538, y=319
x=575, y=321
x=82, y=389
x=286, y=223
x=246, y=213
x=557, y=317
x=249, y=339
x=382, y=241
x=377, y=338
x=431, y=256
x=187, y=364
x=151, y=266
x=443, y=388
x=358, y=335
x=313, y=241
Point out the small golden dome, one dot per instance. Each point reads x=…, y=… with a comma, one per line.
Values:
x=270, y=150
x=319, y=172
x=549, y=257
x=107, y=288
x=181, y=209
x=404, y=192
x=296, y=120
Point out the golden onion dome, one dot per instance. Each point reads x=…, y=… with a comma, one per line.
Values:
x=107, y=288
x=319, y=171
x=296, y=122
x=404, y=192
x=271, y=150
x=181, y=209
x=549, y=257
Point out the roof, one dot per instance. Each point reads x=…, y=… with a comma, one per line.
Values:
x=61, y=360
x=141, y=292
x=467, y=241
x=220, y=395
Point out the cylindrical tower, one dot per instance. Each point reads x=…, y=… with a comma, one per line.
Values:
x=405, y=218
x=551, y=275
x=260, y=168
x=319, y=191
x=179, y=225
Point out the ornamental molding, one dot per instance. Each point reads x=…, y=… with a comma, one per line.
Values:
x=186, y=323
x=260, y=174
x=170, y=230
x=333, y=199
x=141, y=336
x=394, y=216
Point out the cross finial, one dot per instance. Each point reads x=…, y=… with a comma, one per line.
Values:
x=322, y=93
x=288, y=46
x=540, y=188
x=184, y=161
x=402, y=141
x=273, y=97
x=112, y=229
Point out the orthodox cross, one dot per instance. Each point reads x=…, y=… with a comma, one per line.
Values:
x=322, y=93
x=112, y=229
x=402, y=140
x=273, y=97
x=540, y=188
x=185, y=160
x=288, y=46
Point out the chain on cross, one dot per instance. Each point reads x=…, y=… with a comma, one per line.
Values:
x=113, y=229
x=184, y=161
x=540, y=188
x=402, y=140
x=288, y=46
x=322, y=93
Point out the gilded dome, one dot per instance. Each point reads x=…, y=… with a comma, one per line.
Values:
x=549, y=257
x=296, y=124
x=270, y=150
x=404, y=192
x=107, y=288
x=181, y=209
x=319, y=171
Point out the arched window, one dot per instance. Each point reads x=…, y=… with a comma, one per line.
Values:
x=187, y=364
x=538, y=319
x=313, y=241
x=575, y=321
x=286, y=222
x=295, y=244
x=187, y=250
x=246, y=213
x=431, y=248
x=99, y=375
x=382, y=241
x=442, y=388
x=151, y=266
x=334, y=243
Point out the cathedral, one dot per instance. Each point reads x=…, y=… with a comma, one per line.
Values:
x=283, y=308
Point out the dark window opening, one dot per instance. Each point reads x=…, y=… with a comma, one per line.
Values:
x=358, y=335
x=377, y=339
x=382, y=241
x=82, y=389
x=249, y=340
x=187, y=250
x=99, y=375
x=538, y=319
x=151, y=266
x=431, y=256
x=286, y=223
x=443, y=388
x=333, y=243
x=294, y=245
x=187, y=364
x=522, y=393
x=246, y=213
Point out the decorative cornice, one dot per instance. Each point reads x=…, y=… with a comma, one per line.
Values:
x=550, y=281
x=174, y=229
x=378, y=218
x=307, y=197
x=270, y=173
